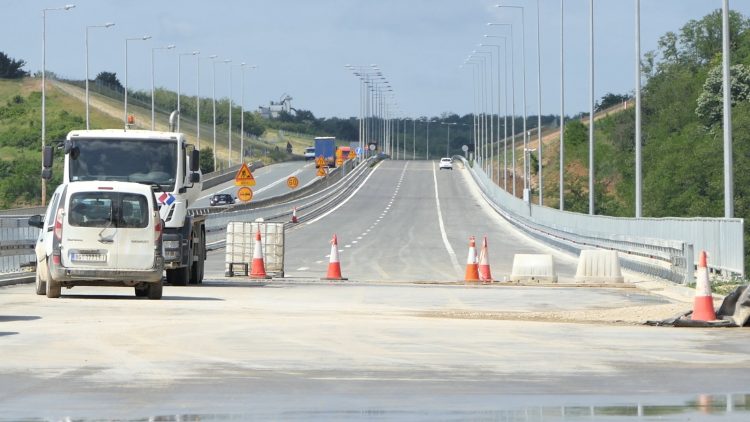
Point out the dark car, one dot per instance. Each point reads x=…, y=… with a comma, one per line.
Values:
x=222, y=199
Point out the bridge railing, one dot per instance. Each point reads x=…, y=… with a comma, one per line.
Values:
x=664, y=247
x=17, y=240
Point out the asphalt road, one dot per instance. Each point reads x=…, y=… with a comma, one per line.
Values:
x=401, y=339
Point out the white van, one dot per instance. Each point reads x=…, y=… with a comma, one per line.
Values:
x=100, y=233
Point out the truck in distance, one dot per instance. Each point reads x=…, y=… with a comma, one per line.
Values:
x=325, y=146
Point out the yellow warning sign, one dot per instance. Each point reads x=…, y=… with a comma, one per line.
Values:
x=322, y=170
x=244, y=194
x=292, y=182
x=244, y=177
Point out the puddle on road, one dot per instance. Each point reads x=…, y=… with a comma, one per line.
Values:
x=726, y=407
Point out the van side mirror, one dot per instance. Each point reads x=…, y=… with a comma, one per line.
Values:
x=195, y=160
x=195, y=177
x=36, y=221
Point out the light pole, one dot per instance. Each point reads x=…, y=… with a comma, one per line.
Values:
x=229, y=126
x=106, y=25
x=143, y=38
x=591, y=107
x=242, y=109
x=523, y=59
x=513, y=99
x=44, y=85
x=728, y=174
x=179, y=59
x=213, y=101
x=448, y=144
x=562, y=107
x=505, y=155
x=153, y=114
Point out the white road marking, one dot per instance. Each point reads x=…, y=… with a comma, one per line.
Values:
x=451, y=253
x=303, y=268
x=347, y=199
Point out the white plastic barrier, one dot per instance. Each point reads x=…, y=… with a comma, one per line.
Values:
x=599, y=266
x=241, y=242
x=533, y=267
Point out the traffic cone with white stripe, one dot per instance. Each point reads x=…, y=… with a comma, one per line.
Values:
x=258, y=267
x=294, y=215
x=472, y=268
x=334, y=265
x=484, y=262
x=703, y=304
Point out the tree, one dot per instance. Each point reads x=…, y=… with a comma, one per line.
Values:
x=710, y=108
x=109, y=79
x=576, y=133
x=11, y=68
x=207, y=160
x=610, y=100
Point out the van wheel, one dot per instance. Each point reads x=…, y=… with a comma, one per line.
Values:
x=154, y=290
x=53, y=287
x=141, y=291
x=178, y=276
x=41, y=286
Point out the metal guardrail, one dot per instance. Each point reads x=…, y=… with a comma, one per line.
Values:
x=663, y=247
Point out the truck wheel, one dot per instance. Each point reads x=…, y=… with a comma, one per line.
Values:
x=41, y=286
x=178, y=276
x=154, y=290
x=141, y=291
x=197, y=268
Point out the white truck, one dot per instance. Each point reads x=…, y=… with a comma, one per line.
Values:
x=163, y=160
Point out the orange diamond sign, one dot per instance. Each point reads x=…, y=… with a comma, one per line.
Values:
x=244, y=177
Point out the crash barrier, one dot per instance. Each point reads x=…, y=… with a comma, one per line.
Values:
x=662, y=247
x=599, y=266
x=533, y=267
x=240, y=245
x=17, y=240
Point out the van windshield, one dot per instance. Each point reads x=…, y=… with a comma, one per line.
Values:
x=130, y=160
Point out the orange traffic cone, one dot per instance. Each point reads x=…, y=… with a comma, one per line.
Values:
x=472, y=269
x=703, y=304
x=258, y=269
x=294, y=215
x=484, y=265
x=334, y=266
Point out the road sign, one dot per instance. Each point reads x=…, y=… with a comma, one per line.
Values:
x=372, y=147
x=322, y=171
x=353, y=155
x=292, y=182
x=244, y=177
x=339, y=162
x=320, y=161
x=464, y=148
x=244, y=194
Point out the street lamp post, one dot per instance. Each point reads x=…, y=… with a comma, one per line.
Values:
x=728, y=173
x=242, y=109
x=213, y=101
x=523, y=59
x=448, y=144
x=229, y=127
x=153, y=113
x=591, y=107
x=562, y=107
x=44, y=85
x=179, y=59
x=106, y=25
x=143, y=38
x=513, y=100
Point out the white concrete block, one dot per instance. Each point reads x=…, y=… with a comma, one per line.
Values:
x=533, y=267
x=599, y=266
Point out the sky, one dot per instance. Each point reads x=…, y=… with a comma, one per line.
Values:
x=301, y=47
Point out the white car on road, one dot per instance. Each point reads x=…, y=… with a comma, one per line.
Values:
x=446, y=163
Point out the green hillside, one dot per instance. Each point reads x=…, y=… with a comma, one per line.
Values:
x=682, y=130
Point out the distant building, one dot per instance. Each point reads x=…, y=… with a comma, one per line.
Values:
x=274, y=109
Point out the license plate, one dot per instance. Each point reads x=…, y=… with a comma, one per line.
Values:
x=88, y=257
